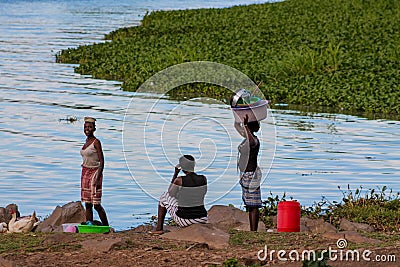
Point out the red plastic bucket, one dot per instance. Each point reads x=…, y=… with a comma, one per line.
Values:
x=288, y=216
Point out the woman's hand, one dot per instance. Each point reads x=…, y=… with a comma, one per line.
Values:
x=177, y=169
x=95, y=183
x=94, y=187
x=176, y=172
x=245, y=119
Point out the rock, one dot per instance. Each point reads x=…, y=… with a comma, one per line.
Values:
x=317, y=226
x=58, y=238
x=351, y=236
x=201, y=233
x=246, y=227
x=303, y=224
x=103, y=245
x=358, y=238
x=142, y=229
x=3, y=215
x=226, y=218
x=304, y=228
x=199, y=245
x=72, y=212
x=7, y=263
x=147, y=228
x=7, y=214
x=346, y=225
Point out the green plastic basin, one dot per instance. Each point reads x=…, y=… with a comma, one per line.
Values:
x=93, y=229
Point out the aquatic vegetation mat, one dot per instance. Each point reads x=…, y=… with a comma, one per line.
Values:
x=331, y=53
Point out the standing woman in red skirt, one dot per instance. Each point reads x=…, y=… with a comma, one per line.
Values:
x=92, y=172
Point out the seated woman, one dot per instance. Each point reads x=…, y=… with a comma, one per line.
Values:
x=184, y=199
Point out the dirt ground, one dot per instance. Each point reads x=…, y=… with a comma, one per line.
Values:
x=132, y=248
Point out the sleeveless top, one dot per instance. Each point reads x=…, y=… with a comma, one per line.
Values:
x=90, y=157
x=247, y=161
x=191, y=197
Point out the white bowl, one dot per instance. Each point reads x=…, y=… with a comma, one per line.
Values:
x=256, y=112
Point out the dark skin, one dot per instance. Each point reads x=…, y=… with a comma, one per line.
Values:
x=249, y=132
x=172, y=190
x=89, y=128
x=254, y=213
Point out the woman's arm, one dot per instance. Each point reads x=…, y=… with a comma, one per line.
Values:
x=99, y=149
x=249, y=135
x=176, y=182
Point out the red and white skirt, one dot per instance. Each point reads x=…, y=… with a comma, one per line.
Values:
x=89, y=192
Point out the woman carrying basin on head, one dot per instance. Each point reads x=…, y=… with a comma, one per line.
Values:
x=250, y=173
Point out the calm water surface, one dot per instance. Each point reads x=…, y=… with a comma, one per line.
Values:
x=305, y=155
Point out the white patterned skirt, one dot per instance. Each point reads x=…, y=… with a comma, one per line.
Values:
x=251, y=192
x=171, y=204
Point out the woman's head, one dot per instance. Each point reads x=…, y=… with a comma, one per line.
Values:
x=187, y=163
x=89, y=126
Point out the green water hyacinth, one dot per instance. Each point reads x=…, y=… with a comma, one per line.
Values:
x=340, y=54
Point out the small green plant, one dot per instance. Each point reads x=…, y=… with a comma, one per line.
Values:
x=270, y=208
x=320, y=260
x=378, y=207
x=231, y=262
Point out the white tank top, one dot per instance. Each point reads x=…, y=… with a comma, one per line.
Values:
x=90, y=157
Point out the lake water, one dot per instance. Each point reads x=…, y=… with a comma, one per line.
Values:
x=303, y=154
